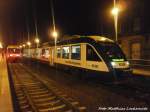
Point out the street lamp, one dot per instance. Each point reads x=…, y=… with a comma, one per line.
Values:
x=29, y=43
x=115, y=12
x=55, y=35
x=23, y=45
x=20, y=46
x=1, y=46
x=37, y=41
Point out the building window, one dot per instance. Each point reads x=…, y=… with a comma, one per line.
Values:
x=65, y=52
x=75, y=52
x=91, y=55
x=58, y=52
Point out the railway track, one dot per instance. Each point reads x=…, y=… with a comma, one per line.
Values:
x=35, y=95
x=137, y=91
x=131, y=90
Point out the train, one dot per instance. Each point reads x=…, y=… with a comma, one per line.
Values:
x=94, y=54
x=13, y=53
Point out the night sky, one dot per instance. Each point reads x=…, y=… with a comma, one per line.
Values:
x=84, y=17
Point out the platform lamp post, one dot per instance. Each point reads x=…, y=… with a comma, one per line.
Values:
x=37, y=41
x=1, y=46
x=24, y=45
x=20, y=46
x=55, y=36
x=29, y=45
x=115, y=13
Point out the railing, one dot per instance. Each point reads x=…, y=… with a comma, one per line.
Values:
x=140, y=63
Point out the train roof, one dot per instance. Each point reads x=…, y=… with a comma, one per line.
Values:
x=12, y=46
x=78, y=39
x=84, y=39
x=100, y=38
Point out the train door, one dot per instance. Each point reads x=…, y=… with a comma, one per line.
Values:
x=51, y=57
x=136, y=51
x=93, y=61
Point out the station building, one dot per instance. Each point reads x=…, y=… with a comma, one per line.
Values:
x=134, y=30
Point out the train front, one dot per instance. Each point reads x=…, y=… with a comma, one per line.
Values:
x=115, y=59
x=14, y=54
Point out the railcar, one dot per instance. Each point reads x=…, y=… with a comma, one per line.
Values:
x=95, y=54
x=92, y=53
x=45, y=54
x=38, y=53
x=13, y=53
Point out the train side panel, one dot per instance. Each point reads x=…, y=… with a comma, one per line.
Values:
x=84, y=61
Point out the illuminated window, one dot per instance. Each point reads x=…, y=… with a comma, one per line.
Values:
x=46, y=53
x=65, y=52
x=76, y=52
x=91, y=55
x=58, y=52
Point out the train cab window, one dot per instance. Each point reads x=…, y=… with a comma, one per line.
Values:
x=76, y=52
x=58, y=52
x=65, y=52
x=43, y=52
x=91, y=55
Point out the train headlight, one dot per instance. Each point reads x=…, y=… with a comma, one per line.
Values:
x=113, y=63
x=127, y=63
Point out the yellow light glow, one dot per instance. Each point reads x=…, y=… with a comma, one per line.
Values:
x=115, y=11
x=55, y=34
x=23, y=45
x=1, y=46
x=37, y=40
x=29, y=43
x=20, y=46
x=103, y=39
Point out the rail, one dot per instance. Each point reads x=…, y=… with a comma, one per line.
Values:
x=35, y=94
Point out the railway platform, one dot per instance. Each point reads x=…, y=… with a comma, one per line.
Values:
x=6, y=104
x=141, y=71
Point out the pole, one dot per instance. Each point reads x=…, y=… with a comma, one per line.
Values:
x=116, y=23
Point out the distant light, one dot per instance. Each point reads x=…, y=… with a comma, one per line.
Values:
x=1, y=46
x=20, y=46
x=37, y=40
x=18, y=55
x=23, y=45
x=127, y=63
x=55, y=34
x=115, y=11
x=11, y=55
x=29, y=43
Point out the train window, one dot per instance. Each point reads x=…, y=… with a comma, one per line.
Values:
x=76, y=52
x=65, y=52
x=13, y=50
x=91, y=55
x=46, y=53
x=58, y=52
x=43, y=52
